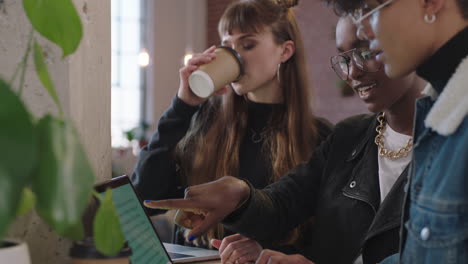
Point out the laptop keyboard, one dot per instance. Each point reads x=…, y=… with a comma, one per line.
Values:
x=178, y=256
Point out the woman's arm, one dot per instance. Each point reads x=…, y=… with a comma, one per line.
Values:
x=264, y=215
x=155, y=174
x=274, y=211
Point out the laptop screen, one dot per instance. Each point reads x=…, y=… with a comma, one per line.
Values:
x=137, y=228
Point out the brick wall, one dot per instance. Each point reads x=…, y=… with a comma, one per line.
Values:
x=317, y=24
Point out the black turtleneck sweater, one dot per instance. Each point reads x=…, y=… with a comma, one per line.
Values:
x=438, y=69
x=254, y=163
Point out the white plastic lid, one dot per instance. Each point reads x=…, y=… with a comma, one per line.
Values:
x=201, y=84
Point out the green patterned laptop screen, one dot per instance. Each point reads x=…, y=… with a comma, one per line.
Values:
x=145, y=244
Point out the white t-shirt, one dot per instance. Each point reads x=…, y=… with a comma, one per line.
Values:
x=390, y=170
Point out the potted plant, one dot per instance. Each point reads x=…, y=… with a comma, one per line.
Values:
x=138, y=133
x=43, y=164
x=137, y=137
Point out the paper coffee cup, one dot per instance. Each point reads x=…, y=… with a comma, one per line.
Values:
x=227, y=67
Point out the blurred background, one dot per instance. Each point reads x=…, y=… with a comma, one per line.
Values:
x=118, y=83
x=151, y=39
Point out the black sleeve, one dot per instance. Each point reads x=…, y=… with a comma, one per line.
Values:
x=155, y=176
x=271, y=213
x=324, y=129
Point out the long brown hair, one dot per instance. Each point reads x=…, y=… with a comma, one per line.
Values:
x=210, y=150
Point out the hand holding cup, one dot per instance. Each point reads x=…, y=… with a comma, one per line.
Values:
x=225, y=68
x=185, y=93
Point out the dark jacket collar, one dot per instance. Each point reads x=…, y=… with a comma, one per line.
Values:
x=364, y=181
x=369, y=135
x=438, y=69
x=367, y=187
x=389, y=214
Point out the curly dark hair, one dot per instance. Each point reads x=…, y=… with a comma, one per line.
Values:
x=463, y=5
x=287, y=3
x=342, y=7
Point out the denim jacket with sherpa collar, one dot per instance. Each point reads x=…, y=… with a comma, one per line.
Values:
x=435, y=220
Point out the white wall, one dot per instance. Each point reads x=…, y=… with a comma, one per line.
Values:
x=83, y=86
x=174, y=24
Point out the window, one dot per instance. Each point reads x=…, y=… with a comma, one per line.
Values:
x=127, y=75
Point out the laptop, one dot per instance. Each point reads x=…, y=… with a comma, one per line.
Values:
x=140, y=233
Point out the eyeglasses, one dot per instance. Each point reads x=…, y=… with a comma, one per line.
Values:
x=366, y=11
x=363, y=58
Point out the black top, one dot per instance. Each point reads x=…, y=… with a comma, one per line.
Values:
x=339, y=187
x=438, y=69
x=155, y=175
x=254, y=163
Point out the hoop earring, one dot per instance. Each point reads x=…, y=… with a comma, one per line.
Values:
x=278, y=72
x=429, y=18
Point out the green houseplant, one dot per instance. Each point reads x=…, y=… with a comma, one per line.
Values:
x=44, y=165
x=138, y=133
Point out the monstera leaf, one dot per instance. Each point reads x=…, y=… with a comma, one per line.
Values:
x=43, y=74
x=64, y=177
x=108, y=235
x=56, y=20
x=18, y=154
x=44, y=165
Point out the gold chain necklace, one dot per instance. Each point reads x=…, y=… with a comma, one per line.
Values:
x=379, y=140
